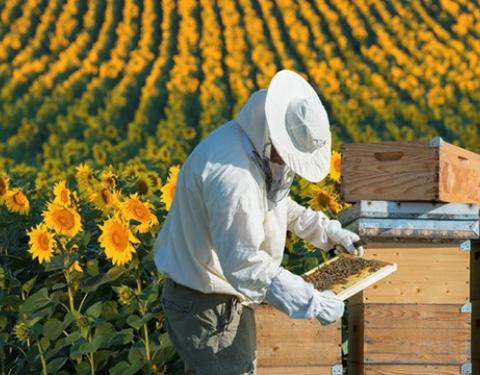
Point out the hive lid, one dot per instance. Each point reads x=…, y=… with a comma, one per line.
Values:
x=409, y=210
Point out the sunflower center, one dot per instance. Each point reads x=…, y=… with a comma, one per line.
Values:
x=119, y=237
x=142, y=187
x=106, y=196
x=65, y=219
x=44, y=242
x=19, y=198
x=141, y=212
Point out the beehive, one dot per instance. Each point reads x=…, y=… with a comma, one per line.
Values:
x=410, y=171
x=418, y=319
x=293, y=346
x=475, y=295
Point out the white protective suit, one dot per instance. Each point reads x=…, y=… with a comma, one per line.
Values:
x=223, y=236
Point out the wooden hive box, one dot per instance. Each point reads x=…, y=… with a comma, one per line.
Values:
x=410, y=171
x=475, y=270
x=426, y=273
x=476, y=332
x=294, y=346
x=409, y=339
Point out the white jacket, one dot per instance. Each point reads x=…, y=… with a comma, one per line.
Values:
x=220, y=235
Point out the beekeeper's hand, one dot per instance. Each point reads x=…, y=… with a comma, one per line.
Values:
x=300, y=300
x=330, y=307
x=343, y=237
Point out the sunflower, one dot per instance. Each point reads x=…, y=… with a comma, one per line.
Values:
x=103, y=198
x=144, y=184
x=164, y=154
x=62, y=194
x=320, y=198
x=42, y=243
x=335, y=166
x=17, y=201
x=109, y=178
x=168, y=190
x=99, y=154
x=63, y=220
x=4, y=182
x=130, y=170
x=117, y=240
x=85, y=178
x=155, y=180
x=188, y=133
x=134, y=209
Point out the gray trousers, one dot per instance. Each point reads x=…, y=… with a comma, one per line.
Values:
x=213, y=333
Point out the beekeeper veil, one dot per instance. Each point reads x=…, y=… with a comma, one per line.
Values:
x=290, y=116
x=252, y=119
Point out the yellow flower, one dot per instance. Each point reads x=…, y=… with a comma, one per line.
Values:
x=145, y=185
x=134, y=208
x=109, y=178
x=168, y=190
x=63, y=220
x=103, y=198
x=17, y=201
x=335, y=166
x=75, y=266
x=62, y=194
x=42, y=243
x=117, y=240
x=334, y=206
x=85, y=178
x=320, y=198
x=4, y=182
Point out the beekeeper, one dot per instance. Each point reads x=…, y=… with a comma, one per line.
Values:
x=222, y=242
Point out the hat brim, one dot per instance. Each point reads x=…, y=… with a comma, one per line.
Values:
x=285, y=86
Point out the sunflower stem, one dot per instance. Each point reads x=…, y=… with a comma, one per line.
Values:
x=70, y=293
x=145, y=328
x=92, y=363
x=42, y=359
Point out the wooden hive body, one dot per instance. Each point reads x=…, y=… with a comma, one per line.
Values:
x=417, y=320
x=410, y=171
x=293, y=346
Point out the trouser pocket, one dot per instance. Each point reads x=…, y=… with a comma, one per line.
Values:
x=209, y=331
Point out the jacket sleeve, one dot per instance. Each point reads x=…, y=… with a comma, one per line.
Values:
x=235, y=216
x=309, y=225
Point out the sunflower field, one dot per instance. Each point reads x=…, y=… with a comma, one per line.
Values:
x=101, y=102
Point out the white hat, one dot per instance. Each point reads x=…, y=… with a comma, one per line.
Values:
x=298, y=125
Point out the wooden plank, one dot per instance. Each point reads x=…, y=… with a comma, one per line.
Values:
x=367, y=369
x=476, y=331
x=282, y=341
x=389, y=171
x=475, y=270
x=426, y=274
x=409, y=334
x=295, y=370
x=459, y=174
